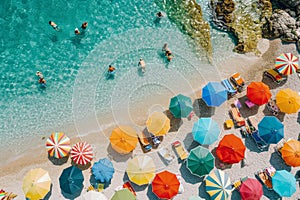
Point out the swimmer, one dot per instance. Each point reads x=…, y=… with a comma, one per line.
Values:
x=42, y=81
x=76, y=31
x=142, y=64
x=169, y=55
x=39, y=74
x=54, y=26
x=159, y=15
x=111, y=68
x=84, y=25
x=165, y=47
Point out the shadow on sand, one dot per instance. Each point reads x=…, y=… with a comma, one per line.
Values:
x=271, y=83
x=175, y=123
x=58, y=161
x=252, y=146
x=202, y=191
x=48, y=195
x=113, y=155
x=82, y=167
x=150, y=194
x=278, y=163
x=188, y=176
x=202, y=110
x=245, y=111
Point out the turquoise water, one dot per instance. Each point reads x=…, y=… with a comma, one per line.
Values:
x=119, y=33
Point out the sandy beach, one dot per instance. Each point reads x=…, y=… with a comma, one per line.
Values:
x=251, y=69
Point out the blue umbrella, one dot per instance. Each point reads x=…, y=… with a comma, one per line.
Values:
x=270, y=129
x=214, y=94
x=284, y=183
x=181, y=106
x=71, y=181
x=206, y=131
x=103, y=170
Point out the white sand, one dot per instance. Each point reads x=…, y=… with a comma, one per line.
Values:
x=250, y=67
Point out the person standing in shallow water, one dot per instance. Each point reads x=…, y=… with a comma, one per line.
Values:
x=142, y=64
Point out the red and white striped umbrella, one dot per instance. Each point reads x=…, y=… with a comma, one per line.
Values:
x=287, y=63
x=82, y=153
x=58, y=145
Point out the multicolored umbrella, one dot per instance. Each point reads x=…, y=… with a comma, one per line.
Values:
x=288, y=101
x=123, y=194
x=141, y=170
x=93, y=195
x=251, y=189
x=36, y=184
x=71, y=181
x=165, y=185
x=286, y=63
x=214, y=94
x=206, y=131
x=181, y=106
x=103, y=170
x=271, y=129
x=123, y=139
x=58, y=145
x=284, y=183
x=158, y=124
x=291, y=153
x=218, y=185
x=258, y=93
x=200, y=161
x=82, y=153
x=231, y=149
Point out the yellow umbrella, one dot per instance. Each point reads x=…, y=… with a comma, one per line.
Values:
x=288, y=101
x=36, y=184
x=158, y=124
x=141, y=170
x=123, y=139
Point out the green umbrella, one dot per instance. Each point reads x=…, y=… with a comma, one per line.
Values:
x=181, y=106
x=200, y=161
x=123, y=194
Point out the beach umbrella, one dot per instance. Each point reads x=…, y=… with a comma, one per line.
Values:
x=200, y=161
x=158, y=124
x=286, y=63
x=206, y=131
x=288, y=101
x=82, y=153
x=251, y=189
x=181, y=106
x=165, y=185
x=36, y=184
x=123, y=194
x=214, y=94
x=270, y=129
x=103, y=170
x=258, y=93
x=93, y=195
x=141, y=170
x=231, y=149
x=71, y=181
x=123, y=139
x=291, y=153
x=284, y=183
x=58, y=145
x=218, y=185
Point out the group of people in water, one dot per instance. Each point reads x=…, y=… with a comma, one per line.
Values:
x=84, y=25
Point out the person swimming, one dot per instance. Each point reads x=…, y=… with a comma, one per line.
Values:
x=39, y=74
x=54, y=26
x=84, y=25
x=76, y=31
x=169, y=55
x=159, y=14
x=111, y=68
x=142, y=64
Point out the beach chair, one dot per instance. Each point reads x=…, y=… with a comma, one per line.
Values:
x=264, y=179
x=237, y=184
x=237, y=117
x=229, y=87
x=260, y=143
x=180, y=150
x=275, y=75
x=144, y=142
x=252, y=123
x=155, y=140
x=272, y=107
x=238, y=81
x=165, y=153
x=129, y=187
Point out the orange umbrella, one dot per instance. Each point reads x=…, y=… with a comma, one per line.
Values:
x=288, y=101
x=291, y=153
x=165, y=185
x=123, y=139
x=231, y=149
x=258, y=92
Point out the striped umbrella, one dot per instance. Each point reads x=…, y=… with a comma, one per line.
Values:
x=218, y=185
x=58, y=145
x=82, y=153
x=287, y=63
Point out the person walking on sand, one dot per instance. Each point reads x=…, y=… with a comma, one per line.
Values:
x=142, y=64
x=54, y=26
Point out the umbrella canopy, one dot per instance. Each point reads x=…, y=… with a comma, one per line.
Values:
x=123, y=139
x=288, y=101
x=291, y=153
x=218, y=185
x=93, y=195
x=141, y=170
x=71, y=181
x=231, y=149
x=251, y=189
x=287, y=63
x=165, y=185
x=258, y=93
x=36, y=184
x=214, y=94
x=123, y=194
x=158, y=124
x=58, y=145
x=284, y=183
x=200, y=161
x=181, y=106
x=270, y=129
x=206, y=131
x=82, y=153
x=103, y=170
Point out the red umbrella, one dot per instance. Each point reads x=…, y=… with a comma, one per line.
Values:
x=231, y=149
x=82, y=153
x=259, y=93
x=165, y=185
x=251, y=189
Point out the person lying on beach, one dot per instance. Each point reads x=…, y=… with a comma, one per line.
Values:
x=54, y=26
x=111, y=68
x=84, y=25
x=76, y=31
x=142, y=64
